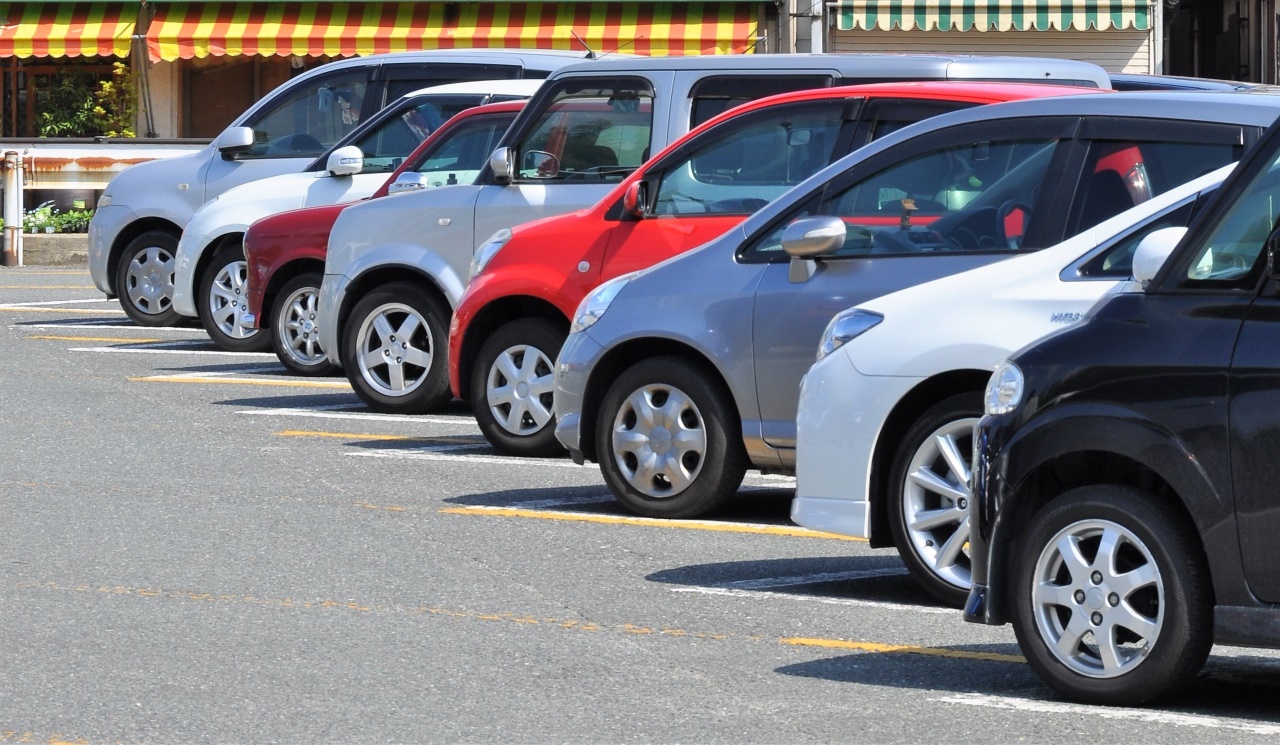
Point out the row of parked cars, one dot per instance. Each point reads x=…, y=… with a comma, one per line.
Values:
x=670, y=241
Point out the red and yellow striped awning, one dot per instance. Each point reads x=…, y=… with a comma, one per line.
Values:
x=182, y=31
x=66, y=29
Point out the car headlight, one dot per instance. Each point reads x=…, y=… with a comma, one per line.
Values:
x=104, y=201
x=1004, y=390
x=487, y=250
x=845, y=327
x=597, y=302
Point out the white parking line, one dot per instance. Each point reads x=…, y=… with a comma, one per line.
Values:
x=1105, y=712
x=323, y=412
x=110, y=326
x=206, y=353
x=482, y=459
x=813, y=579
x=852, y=602
x=56, y=302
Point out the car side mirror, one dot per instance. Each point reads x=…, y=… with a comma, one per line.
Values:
x=635, y=200
x=408, y=181
x=1152, y=251
x=345, y=161
x=233, y=141
x=502, y=163
x=811, y=237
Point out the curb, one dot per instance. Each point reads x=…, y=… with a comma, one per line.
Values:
x=55, y=249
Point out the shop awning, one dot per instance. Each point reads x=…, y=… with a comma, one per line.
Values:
x=993, y=15
x=66, y=29
x=181, y=31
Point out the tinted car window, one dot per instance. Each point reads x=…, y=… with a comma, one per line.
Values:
x=589, y=131
x=716, y=94
x=740, y=171
x=1116, y=261
x=464, y=151
x=385, y=147
x=1234, y=247
x=311, y=119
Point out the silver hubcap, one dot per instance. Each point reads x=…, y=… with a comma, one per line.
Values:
x=659, y=440
x=296, y=327
x=227, y=300
x=936, y=499
x=394, y=349
x=519, y=390
x=1098, y=598
x=149, y=280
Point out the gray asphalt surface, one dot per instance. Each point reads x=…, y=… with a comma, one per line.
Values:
x=197, y=547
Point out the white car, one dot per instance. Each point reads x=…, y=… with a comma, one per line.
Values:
x=885, y=418
x=210, y=270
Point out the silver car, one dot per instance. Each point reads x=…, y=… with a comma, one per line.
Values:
x=679, y=378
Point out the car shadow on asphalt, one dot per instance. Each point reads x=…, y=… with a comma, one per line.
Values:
x=347, y=401
x=878, y=578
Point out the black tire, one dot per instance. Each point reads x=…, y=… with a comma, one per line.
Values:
x=426, y=387
x=292, y=321
x=220, y=301
x=531, y=345
x=714, y=474
x=144, y=279
x=935, y=554
x=1181, y=598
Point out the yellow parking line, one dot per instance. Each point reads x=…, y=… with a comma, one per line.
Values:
x=242, y=381
x=365, y=436
x=49, y=337
x=648, y=522
x=903, y=648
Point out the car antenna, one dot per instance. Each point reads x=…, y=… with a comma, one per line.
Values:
x=591, y=53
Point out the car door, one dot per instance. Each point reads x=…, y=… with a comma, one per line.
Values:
x=933, y=206
x=587, y=135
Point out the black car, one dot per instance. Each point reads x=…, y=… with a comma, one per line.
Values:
x=1127, y=473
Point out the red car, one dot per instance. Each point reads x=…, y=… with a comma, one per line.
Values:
x=286, y=252
x=511, y=322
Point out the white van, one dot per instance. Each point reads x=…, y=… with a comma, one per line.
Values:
x=403, y=261
x=134, y=234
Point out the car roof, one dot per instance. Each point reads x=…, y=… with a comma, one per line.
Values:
x=887, y=66
x=504, y=87
x=1146, y=82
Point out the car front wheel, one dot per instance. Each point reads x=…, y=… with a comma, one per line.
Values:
x=668, y=441
x=929, y=498
x=222, y=298
x=511, y=390
x=1112, y=602
x=293, y=327
x=144, y=279
x=394, y=350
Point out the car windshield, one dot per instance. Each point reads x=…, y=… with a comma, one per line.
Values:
x=1234, y=246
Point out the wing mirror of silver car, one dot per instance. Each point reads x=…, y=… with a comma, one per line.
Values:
x=635, y=200
x=233, y=141
x=809, y=238
x=345, y=161
x=502, y=163
x=409, y=181
x=1152, y=251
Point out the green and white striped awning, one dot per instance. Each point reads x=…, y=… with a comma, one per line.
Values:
x=993, y=15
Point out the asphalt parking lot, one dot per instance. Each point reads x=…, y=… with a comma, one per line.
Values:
x=198, y=547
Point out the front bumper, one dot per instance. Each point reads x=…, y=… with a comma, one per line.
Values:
x=577, y=359
x=989, y=438
x=838, y=422
x=332, y=292
x=104, y=228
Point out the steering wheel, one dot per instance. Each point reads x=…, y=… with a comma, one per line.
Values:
x=1006, y=209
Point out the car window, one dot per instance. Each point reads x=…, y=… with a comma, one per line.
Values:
x=716, y=94
x=311, y=119
x=974, y=196
x=1234, y=246
x=753, y=162
x=460, y=156
x=1116, y=260
x=396, y=137
x=589, y=131
x=1127, y=173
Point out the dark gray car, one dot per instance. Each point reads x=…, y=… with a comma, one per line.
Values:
x=692, y=374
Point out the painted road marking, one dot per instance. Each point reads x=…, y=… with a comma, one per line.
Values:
x=814, y=579
x=111, y=326
x=201, y=352
x=46, y=287
x=103, y=339
x=210, y=378
x=850, y=602
x=648, y=522
x=332, y=412
x=1145, y=716
x=407, y=454
x=27, y=309
x=905, y=648
x=58, y=302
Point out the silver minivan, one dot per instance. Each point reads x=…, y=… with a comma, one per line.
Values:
x=679, y=378
x=396, y=267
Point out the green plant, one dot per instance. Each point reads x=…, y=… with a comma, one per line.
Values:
x=37, y=219
x=76, y=103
